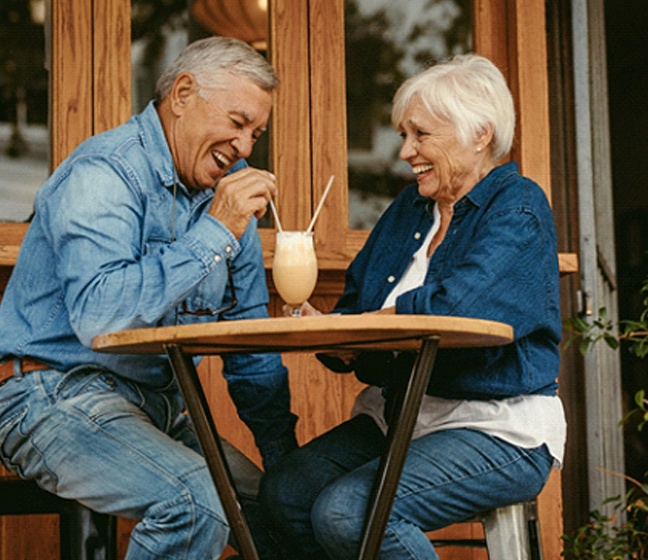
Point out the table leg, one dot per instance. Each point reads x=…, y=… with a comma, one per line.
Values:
x=210, y=443
x=399, y=435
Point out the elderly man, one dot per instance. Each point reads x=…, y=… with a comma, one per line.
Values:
x=152, y=223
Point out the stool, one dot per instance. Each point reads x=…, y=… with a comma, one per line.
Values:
x=511, y=532
x=84, y=534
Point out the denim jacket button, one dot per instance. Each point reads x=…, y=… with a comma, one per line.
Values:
x=228, y=249
x=391, y=279
x=217, y=258
x=417, y=235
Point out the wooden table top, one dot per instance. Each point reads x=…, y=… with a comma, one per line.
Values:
x=287, y=334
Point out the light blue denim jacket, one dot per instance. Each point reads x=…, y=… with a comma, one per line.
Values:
x=110, y=247
x=498, y=261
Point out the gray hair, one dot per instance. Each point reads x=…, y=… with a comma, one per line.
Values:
x=467, y=91
x=208, y=59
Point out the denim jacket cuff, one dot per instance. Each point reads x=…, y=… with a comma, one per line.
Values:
x=211, y=241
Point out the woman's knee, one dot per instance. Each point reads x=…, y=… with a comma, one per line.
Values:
x=292, y=482
x=338, y=515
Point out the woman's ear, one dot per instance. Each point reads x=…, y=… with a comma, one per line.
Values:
x=484, y=137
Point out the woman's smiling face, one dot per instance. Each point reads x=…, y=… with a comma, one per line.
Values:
x=213, y=130
x=445, y=169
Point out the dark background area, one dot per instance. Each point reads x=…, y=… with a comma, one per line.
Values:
x=627, y=54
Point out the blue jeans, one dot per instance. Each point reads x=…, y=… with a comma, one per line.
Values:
x=318, y=494
x=93, y=437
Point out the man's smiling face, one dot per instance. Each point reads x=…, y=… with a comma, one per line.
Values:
x=214, y=127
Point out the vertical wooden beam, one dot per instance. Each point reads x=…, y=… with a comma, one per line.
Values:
x=111, y=74
x=291, y=129
x=529, y=80
x=490, y=31
x=70, y=77
x=328, y=87
x=512, y=33
x=530, y=84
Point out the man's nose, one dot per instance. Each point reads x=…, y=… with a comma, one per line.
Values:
x=243, y=144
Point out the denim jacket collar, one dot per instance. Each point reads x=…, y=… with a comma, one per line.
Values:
x=153, y=138
x=481, y=194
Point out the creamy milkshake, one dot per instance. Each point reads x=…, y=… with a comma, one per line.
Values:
x=294, y=267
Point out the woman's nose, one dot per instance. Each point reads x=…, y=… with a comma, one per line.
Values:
x=408, y=149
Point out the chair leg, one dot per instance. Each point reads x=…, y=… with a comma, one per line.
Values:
x=513, y=532
x=87, y=535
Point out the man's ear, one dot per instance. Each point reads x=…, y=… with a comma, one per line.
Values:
x=184, y=88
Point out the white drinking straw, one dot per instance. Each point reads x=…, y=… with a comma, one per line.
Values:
x=276, y=216
x=321, y=203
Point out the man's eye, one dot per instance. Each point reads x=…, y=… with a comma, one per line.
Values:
x=238, y=124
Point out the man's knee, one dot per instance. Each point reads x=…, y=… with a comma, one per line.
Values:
x=190, y=522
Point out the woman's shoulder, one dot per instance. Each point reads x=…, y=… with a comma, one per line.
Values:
x=517, y=189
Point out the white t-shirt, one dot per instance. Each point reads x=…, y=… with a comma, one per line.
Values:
x=526, y=421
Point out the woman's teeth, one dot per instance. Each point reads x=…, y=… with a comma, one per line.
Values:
x=418, y=169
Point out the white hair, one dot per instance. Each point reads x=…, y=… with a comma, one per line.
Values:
x=208, y=59
x=469, y=92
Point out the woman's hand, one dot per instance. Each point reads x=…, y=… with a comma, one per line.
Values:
x=386, y=311
x=307, y=310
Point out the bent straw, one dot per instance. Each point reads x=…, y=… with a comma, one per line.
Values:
x=321, y=203
x=276, y=216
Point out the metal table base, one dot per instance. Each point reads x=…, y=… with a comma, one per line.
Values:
x=389, y=470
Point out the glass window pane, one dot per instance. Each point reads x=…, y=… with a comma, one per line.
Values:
x=160, y=30
x=24, y=137
x=386, y=42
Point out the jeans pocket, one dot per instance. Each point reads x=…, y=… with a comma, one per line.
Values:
x=11, y=437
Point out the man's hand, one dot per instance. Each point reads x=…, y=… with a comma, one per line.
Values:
x=241, y=195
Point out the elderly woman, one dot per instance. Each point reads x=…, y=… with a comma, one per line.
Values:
x=471, y=238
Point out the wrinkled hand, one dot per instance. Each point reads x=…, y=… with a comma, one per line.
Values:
x=385, y=311
x=241, y=195
x=307, y=310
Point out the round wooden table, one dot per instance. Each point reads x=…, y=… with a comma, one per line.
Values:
x=325, y=333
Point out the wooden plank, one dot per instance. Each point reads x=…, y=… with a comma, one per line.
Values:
x=490, y=31
x=70, y=77
x=523, y=60
x=112, y=67
x=11, y=235
x=328, y=114
x=290, y=126
x=568, y=263
x=528, y=61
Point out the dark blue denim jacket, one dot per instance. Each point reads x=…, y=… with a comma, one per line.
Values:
x=498, y=261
